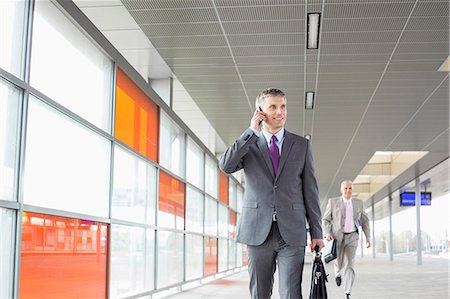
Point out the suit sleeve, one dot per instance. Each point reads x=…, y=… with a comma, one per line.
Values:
x=311, y=196
x=327, y=219
x=365, y=224
x=232, y=159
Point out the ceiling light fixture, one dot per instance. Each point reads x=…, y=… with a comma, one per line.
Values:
x=313, y=30
x=309, y=100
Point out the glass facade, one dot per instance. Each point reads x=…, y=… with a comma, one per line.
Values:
x=7, y=221
x=9, y=115
x=132, y=260
x=61, y=50
x=12, y=25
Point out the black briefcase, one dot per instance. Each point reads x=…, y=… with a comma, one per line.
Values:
x=330, y=251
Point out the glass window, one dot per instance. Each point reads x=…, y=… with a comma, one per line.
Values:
x=231, y=254
x=211, y=216
x=59, y=254
x=232, y=224
x=132, y=260
x=210, y=256
x=239, y=254
x=9, y=110
x=223, y=188
x=194, y=256
x=171, y=202
x=173, y=146
x=240, y=198
x=134, y=188
x=67, y=166
x=223, y=221
x=232, y=193
x=170, y=258
x=211, y=177
x=68, y=67
x=12, y=24
x=194, y=210
x=7, y=221
x=137, y=118
x=223, y=255
x=195, y=171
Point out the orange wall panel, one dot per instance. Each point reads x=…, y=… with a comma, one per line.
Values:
x=223, y=188
x=136, y=118
x=63, y=257
x=171, y=195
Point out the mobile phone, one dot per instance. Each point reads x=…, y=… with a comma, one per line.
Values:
x=260, y=122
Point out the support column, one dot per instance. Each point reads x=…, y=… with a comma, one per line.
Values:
x=164, y=88
x=391, y=237
x=373, y=229
x=419, y=231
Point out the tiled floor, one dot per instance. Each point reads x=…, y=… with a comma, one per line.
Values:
x=375, y=278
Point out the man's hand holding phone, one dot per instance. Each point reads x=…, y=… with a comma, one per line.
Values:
x=258, y=117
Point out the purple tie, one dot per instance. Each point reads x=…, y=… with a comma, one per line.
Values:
x=274, y=153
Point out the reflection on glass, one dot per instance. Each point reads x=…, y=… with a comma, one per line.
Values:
x=7, y=220
x=132, y=260
x=232, y=193
x=134, y=188
x=240, y=198
x=195, y=171
x=211, y=177
x=194, y=257
x=68, y=67
x=223, y=221
x=9, y=103
x=171, y=202
x=223, y=255
x=239, y=254
x=66, y=165
x=59, y=254
x=232, y=224
x=210, y=216
x=231, y=254
x=172, y=146
x=170, y=258
x=12, y=24
x=223, y=188
x=210, y=256
x=194, y=210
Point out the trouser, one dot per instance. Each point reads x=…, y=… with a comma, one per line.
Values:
x=262, y=261
x=344, y=264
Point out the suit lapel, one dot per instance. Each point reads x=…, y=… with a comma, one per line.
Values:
x=264, y=149
x=285, y=149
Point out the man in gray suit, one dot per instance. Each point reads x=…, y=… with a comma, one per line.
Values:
x=280, y=192
x=340, y=221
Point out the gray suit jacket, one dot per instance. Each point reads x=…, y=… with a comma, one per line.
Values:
x=292, y=192
x=334, y=218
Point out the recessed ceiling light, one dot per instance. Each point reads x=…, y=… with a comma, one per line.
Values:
x=313, y=30
x=309, y=100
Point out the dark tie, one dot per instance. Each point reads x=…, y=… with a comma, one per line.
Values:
x=274, y=153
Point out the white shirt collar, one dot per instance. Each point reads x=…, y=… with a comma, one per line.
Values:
x=279, y=135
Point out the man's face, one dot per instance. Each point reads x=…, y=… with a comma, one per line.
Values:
x=276, y=111
x=346, y=190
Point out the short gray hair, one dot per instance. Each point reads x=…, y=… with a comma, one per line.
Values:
x=346, y=182
x=268, y=92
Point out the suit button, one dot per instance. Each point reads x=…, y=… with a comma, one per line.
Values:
x=275, y=187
